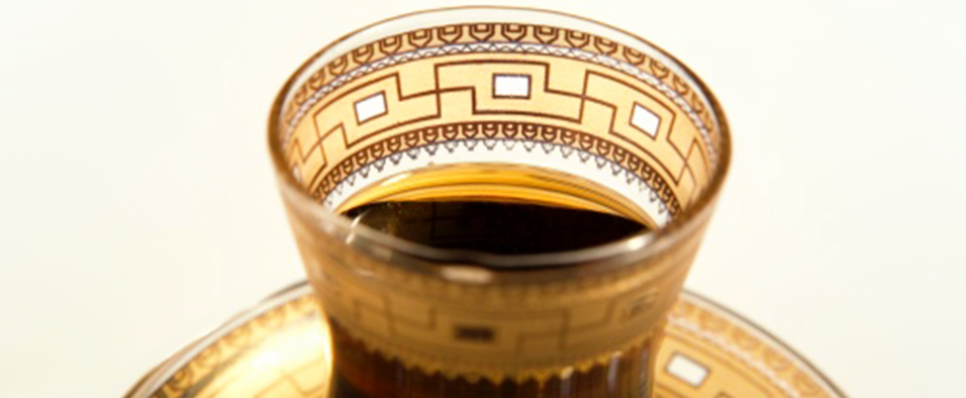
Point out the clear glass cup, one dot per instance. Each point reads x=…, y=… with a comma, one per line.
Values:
x=621, y=126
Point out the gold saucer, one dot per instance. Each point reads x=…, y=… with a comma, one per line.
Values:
x=279, y=349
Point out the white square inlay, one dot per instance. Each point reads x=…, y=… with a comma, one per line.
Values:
x=687, y=369
x=645, y=120
x=370, y=107
x=511, y=86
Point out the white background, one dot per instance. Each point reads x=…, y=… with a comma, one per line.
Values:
x=138, y=207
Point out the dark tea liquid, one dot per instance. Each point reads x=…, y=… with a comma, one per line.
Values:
x=495, y=227
x=461, y=208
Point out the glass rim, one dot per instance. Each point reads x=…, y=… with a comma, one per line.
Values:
x=638, y=245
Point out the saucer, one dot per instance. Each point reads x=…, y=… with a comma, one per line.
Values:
x=279, y=349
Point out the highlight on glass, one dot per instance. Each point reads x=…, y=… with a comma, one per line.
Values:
x=496, y=199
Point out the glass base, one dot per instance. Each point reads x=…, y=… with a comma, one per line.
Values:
x=280, y=349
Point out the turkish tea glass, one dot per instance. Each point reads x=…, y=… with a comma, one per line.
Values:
x=604, y=120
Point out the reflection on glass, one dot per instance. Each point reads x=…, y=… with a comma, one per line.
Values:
x=496, y=201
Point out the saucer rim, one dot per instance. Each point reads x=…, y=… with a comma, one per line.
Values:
x=166, y=368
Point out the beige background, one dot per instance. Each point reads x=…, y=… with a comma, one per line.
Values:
x=840, y=229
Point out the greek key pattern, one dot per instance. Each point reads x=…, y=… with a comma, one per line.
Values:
x=525, y=48
x=492, y=37
x=530, y=329
x=737, y=360
x=478, y=93
x=424, y=100
x=282, y=351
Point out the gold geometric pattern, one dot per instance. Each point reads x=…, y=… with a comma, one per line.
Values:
x=282, y=350
x=538, y=329
x=501, y=130
x=564, y=91
x=441, y=90
x=495, y=37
